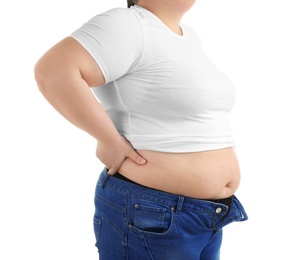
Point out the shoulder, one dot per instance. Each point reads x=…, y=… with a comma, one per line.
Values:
x=115, y=22
x=112, y=37
x=117, y=16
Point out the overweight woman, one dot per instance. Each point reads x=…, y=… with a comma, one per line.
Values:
x=139, y=82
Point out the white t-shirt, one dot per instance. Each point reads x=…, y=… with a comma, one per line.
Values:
x=161, y=91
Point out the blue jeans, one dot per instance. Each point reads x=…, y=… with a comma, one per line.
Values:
x=138, y=223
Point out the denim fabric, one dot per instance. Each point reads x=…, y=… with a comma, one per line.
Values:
x=138, y=223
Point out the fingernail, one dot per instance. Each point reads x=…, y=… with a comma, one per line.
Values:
x=142, y=161
x=109, y=173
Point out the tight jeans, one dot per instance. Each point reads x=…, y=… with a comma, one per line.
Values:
x=133, y=222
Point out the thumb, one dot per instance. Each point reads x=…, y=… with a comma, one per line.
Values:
x=137, y=158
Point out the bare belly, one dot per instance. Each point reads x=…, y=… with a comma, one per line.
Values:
x=205, y=175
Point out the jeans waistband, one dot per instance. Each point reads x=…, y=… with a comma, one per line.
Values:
x=225, y=201
x=127, y=188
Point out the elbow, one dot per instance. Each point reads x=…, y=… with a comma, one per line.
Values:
x=40, y=76
x=46, y=77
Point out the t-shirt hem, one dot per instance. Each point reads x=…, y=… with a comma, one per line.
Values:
x=181, y=145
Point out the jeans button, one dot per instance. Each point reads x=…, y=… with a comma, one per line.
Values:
x=218, y=210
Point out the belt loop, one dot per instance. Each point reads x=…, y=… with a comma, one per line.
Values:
x=179, y=204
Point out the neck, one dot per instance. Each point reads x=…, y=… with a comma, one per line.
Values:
x=170, y=12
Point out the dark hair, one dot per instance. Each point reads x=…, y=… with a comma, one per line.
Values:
x=131, y=2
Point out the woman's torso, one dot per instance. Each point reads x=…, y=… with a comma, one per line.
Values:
x=205, y=175
x=167, y=99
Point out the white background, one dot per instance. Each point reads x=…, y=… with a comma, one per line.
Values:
x=48, y=166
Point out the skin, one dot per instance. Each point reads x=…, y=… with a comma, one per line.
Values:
x=64, y=75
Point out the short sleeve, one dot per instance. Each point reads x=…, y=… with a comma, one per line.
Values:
x=115, y=41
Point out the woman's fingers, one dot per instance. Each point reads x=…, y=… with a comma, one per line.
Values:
x=113, y=154
x=134, y=156
x=137, y=158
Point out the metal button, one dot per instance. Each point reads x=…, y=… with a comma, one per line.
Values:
x=218, y=210
x=136, y=206
x=173, y=209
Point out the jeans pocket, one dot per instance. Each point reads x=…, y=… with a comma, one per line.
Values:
x=150, y=217
x=97, y=229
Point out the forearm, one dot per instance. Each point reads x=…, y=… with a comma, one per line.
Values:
x=71, y=96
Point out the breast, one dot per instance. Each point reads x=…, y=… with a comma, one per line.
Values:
x=182, y=86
